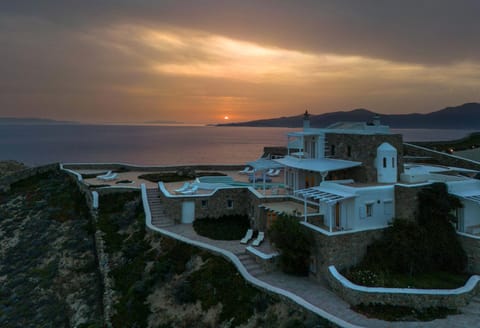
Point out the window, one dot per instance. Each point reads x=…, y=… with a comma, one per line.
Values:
x=393, y=161
x=369, y=210
x=332, y=150
x=204, y=203
x=349, y=151
x=384, y=162
x=229, y=203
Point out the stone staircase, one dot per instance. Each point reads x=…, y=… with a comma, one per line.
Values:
x=159, y=218
x=250, y=264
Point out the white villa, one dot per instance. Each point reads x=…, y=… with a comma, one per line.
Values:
x=348, y=177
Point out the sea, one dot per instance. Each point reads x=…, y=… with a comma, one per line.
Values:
x=155, y=144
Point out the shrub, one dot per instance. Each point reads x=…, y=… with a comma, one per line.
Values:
x=227, y=227
x=294, y=243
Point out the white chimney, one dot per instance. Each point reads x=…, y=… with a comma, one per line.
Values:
x=306, y=120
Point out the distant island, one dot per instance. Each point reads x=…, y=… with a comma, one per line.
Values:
x=32, y=121
x=466, y=116
x=163, y=122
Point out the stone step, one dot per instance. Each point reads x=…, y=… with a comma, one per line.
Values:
x=256, y=272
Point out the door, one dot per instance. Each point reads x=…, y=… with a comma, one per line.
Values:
x=337, y=215
x=188, y=211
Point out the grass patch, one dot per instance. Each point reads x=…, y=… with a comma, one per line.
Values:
x=430, y=280
x=403, y=313
x=227, y=227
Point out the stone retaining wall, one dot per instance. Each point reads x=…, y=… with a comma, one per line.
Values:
x=151, y=168
x=406, y=201
x=343, y=250
x=416, y=298
x=471, y=245
x=439, y=157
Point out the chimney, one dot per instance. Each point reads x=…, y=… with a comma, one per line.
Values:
x=306, y=120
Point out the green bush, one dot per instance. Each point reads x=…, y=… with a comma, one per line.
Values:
x=294, y=243
x=227, y=227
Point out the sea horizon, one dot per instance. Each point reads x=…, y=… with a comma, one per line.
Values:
x=157, y=144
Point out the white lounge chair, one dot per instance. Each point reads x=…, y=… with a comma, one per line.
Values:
x=185, y=186
x=275, y=173
x=247, y=237
x=246, y=170
x=190, y=191
x=101, y=176
x=110, y=177
x=259, y=239
x=270, y=171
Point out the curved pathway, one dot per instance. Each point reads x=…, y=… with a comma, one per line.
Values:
x=312, y=295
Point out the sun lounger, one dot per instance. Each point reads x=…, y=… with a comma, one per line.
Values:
x=275, y=173
x=246, y=170
x=107, y=176
x=190, y=191
x=110, y=177
x=104, y=175
x=259, y=239
x=247, y=237
x=183, y=188
x=270, y=171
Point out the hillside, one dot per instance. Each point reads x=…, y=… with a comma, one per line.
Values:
x=466, y=116
x=50, y=259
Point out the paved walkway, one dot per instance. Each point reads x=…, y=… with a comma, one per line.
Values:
x=319, y=295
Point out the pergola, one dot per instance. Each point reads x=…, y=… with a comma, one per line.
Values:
x=325, y=195
x=263, y=164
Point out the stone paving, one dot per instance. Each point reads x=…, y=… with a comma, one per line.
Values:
x=319, y=295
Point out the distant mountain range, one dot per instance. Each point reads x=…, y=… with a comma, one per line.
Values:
x=31, y=121
x=466, y=116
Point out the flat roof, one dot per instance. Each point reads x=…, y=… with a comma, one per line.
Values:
x=317, y=165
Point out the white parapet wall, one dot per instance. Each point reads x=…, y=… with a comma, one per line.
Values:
x=411, y=297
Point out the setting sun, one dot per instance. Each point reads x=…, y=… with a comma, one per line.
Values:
x=226, y=117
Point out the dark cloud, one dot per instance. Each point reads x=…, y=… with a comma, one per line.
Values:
x=428, y=32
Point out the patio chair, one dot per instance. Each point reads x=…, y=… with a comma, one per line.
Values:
x=190, y=191
x=247, y=237
x=259, y=239
x=101, y=176
x=246, y=170
x=275, y=173
x=270, y=171
x=185, y=186
x=110, y=177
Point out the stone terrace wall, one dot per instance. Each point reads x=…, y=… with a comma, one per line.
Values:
x=343, y=250
x=406, y=201
x=152, y=168
x=10, y=179
x=415, y=298
x=216, y=204
x=439, y=157
x=471, y=245
x=363, y=149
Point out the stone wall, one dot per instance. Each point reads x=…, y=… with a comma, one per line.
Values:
x=152, y=168
x=415, y=298
x=343, y=250
x=363, y=148
x=471, y=245
x=433, y=156
x=406, y=201
x=10, y=179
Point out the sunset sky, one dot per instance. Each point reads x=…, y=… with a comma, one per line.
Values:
x=202, y=61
